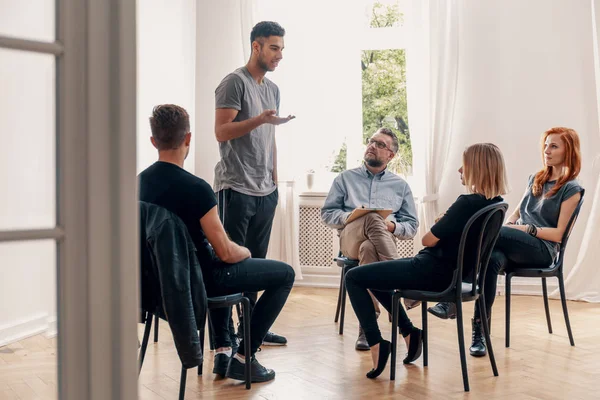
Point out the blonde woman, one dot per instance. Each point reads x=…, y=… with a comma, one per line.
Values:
x=532, y=233
x=483, y=173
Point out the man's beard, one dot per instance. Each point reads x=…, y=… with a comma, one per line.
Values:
x=374, y=162
x=263, y=65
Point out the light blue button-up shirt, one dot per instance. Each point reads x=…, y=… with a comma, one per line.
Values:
x=358, y=187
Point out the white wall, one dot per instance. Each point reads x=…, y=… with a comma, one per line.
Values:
x=166, y=42
x=219, y=51
x=27, y=172
x=524, y=67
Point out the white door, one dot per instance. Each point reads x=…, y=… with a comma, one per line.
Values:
x=67, y=181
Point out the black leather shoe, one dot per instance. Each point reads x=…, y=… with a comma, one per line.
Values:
x=478, y=348
x=221, y=363
x=258, y=373
x=361, y=342
x=273, y=339
x=443, y=310
x=415, y=346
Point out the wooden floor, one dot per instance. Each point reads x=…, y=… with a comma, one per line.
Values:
x=320, y=364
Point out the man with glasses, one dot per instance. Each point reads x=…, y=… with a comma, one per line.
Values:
x=371, y=238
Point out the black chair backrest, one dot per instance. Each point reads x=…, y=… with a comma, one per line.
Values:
x=491, y=218
x=567, y=233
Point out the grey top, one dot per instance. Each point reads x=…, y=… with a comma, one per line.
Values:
x=358, y=187
x=246, y=164
x=544, y=212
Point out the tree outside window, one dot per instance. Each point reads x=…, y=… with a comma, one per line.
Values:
x=384, y=89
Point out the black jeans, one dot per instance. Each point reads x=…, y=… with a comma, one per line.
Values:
x=251, y=275
x=513, y=247
x=420, y=273
x=248, y=221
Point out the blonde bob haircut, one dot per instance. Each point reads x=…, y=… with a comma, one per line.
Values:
x=484, y=171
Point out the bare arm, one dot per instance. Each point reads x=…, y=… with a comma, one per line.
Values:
x=226, y=250
x=555, y=234
x=226, y=129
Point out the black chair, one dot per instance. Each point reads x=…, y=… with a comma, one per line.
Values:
x=554, y=270
x=491, y=218
x=229, y=301
x=148, y=325
x=345, y=264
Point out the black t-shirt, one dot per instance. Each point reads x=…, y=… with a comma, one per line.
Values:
x=449, y=230
x=171, y=187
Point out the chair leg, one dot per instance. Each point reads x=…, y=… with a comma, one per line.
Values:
x=395, y=310
x=507, y=292
x=546, y=306
x=461, y=344
x=486, y=332
x=147, y=329
x=424, y=322
x=339, y=301
x=157, y=314
x=563, y=300
x=202, y=334
x=343, y=312
x=211, y=339
x=182, y=383
x=247, y=351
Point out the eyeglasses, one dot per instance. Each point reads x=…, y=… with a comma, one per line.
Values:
x=378, y=144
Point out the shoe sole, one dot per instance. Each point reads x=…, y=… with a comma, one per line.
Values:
x=362, y=348
x=273, y=344
x=441, y=316
x=478, y=354
x=253, y=379
x=220, y=372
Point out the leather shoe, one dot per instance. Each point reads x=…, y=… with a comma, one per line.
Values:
x=443, y=310
x=478, y=347
x=361, y=342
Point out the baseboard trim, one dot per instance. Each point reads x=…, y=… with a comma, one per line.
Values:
x=22, y=329
x=52, y=329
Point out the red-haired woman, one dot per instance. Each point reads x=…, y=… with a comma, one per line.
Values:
x=532, y=233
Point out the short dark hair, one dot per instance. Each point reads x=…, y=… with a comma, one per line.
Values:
x=169, y=124
x=265, y=29
x=390, y=133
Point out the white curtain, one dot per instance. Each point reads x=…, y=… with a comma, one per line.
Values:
x=583, y=280
x=432, y=70
x=284, y=236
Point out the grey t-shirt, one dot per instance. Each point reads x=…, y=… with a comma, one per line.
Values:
x=246, y=164
x=544, y=212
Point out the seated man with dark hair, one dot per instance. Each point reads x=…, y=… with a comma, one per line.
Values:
x=230, y=270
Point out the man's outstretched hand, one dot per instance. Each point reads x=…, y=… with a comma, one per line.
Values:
x=270, y=117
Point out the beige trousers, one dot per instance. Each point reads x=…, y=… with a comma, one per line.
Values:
x=367, y=240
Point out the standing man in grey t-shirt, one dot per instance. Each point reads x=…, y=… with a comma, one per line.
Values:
x=247, y=108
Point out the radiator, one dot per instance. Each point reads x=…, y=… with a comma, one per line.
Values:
x=318, y=244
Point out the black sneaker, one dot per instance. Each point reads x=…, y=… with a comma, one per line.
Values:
x=273, y=339
x=258, y=373
x=221, y=364
x=443, y=310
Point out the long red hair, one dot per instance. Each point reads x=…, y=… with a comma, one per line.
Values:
x=571, y=165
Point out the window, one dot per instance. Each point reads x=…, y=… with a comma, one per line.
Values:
x=383, y=69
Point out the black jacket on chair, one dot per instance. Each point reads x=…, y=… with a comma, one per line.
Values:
x=171, y=277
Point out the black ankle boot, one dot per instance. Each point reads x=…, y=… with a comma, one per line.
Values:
x=478, y=348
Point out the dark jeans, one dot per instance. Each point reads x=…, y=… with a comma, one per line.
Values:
x=248, y=221
x=418, y=273
x=513, y=247
x=251, y=275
